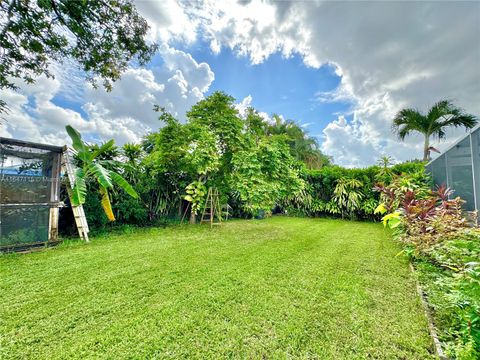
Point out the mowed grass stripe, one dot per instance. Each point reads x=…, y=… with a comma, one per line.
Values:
x=276, y=288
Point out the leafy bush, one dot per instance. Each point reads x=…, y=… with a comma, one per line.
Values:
x=450, y=274
x=330, y=190
x=348, y=195
x=445, y=249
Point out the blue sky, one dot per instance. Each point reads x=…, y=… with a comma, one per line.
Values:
x=280, y=85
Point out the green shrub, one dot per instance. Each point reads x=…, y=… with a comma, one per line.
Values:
x=450, y=275
x=320, y=199
x=445, y=249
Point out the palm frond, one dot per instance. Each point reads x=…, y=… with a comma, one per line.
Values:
x=408, y=120
x=462, y=120
x=440, y=133
x=79, y=147
x=439, y=109
x=77, y=142
x=103, y=148
x=444, y=114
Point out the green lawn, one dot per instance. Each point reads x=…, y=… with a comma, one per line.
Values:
x=276, y=288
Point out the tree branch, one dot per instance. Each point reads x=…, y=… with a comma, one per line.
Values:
x=9, y=17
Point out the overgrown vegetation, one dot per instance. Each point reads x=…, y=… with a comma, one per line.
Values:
x=90, y=167
x=260, y=167
x=341, y=192
x=255, y=164
x=444, y=246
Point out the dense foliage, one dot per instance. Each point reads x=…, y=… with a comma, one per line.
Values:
x=102, y=36
x=444, y=244
x=338, y=191
x=258, y=166
x=90, y=166
x=255, y=165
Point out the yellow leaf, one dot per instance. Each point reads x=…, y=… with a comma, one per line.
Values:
x=380, y=209
x=107, y=206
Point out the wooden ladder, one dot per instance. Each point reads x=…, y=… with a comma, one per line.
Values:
x=212, y=208
x=78, y=212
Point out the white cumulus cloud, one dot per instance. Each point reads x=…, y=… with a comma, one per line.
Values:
x=389, y=54
x=125, y=114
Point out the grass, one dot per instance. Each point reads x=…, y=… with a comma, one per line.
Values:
x=276, y=288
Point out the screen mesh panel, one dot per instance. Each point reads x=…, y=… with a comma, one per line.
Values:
x=476, y=165
x=28, y=189
x=460, y=172
x=459, y=168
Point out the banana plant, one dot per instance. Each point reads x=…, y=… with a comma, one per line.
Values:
x=90, y=167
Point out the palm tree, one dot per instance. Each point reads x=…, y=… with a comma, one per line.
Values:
x=90, y=165
x=302, y=147
x=441, y=116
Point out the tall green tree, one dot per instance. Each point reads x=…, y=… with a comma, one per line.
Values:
x=187, y=155
x=432, y=124
x=303, y=147
x=218, y=114
x=102, y=36
x=132, y=153
x=215, y=118
x=263, y=175
x=164, y=176
x=255, y=124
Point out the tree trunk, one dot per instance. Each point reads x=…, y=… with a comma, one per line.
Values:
x=426, y=151
x=180, y=208
x=193, y=217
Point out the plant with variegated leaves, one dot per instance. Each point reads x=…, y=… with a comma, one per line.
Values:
x=348, y=195
x=90, y=167
x=196, y=192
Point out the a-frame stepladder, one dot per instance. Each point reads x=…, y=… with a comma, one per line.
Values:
x=78, y=212
x=212, y=209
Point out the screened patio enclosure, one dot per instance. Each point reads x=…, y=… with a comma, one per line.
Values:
x=29, y=193
x=459, y=168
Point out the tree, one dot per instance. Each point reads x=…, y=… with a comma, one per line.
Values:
x=303, y=147
x=90, y=166
x=440, y=116
x=218, y=114
x=163, y=173
x=256, y=126
x=201, y=160
x=185, y=154
x=263, y=175
x=132, y=153
x=385, y=172
x=103, y=36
